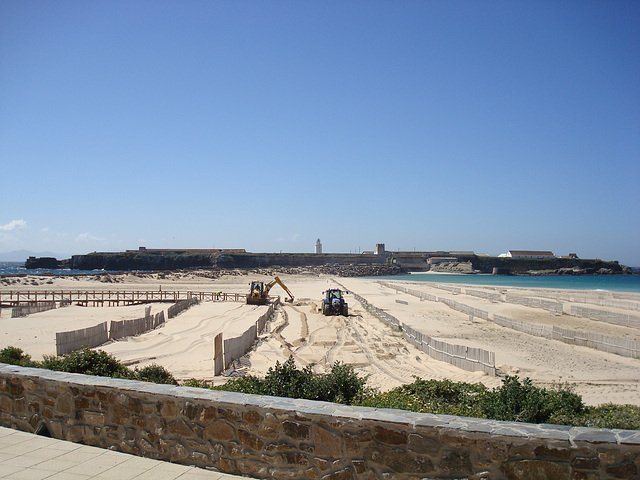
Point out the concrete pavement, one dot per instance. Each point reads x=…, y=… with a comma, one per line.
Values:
x=26, y=456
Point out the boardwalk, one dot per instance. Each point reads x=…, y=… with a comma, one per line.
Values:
x=99, y=298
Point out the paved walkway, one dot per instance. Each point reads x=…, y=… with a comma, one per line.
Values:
x=26, y=456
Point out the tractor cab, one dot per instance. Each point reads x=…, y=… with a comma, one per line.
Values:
x=333, y=302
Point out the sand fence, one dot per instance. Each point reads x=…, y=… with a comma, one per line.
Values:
x=67, y=342
x=233, y=348
x=467, y=358
x=25, y=309
x=70, y=341
x=619, y=346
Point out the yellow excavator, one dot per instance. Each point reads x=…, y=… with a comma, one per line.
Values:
x=259, y=292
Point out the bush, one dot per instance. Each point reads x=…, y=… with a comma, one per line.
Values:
x=523, y=402
x=431, y=396
x=89, y=362
x=15, y=356
x=341, y=385
x=607, y=415
x=155, y=374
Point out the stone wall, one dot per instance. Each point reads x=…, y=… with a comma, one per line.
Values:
x=268, y=437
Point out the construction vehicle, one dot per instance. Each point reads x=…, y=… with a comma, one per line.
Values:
x=259, y=292
x=333, y=302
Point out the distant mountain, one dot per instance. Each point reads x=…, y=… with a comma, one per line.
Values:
x=22, y=255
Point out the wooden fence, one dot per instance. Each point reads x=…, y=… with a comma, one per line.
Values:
x=24, y=309
x=615, y=318
x=175, y=309
x=236, y=347
x=67, y=342
x=617, y=345
x=130, y=328
x=467, y=358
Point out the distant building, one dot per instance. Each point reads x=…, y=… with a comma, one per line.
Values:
x=380, y=249
x=529, y=254
x=318, y=246
x=187, y=250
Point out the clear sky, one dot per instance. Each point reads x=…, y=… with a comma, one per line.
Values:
x=264, y=125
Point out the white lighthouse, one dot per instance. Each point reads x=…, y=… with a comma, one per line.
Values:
x=318, y=247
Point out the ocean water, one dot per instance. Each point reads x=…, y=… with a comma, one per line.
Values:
x=611, y=283
x=17, y=268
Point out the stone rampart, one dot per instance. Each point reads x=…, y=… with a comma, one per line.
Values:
x=278, y=438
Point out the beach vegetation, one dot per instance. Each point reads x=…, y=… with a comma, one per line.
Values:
x=430, y=396
x=155, y=374
x=16, y=356
x=518, y=401
x=341, y=385
x=88, y=362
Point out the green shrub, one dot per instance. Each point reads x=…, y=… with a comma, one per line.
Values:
x=89, y=362
x=155, y=374
x=195, y=383
x=523, y=402
x=607, y=415
x=431, y=396
x=15, y=356
x=341, y=385
x=287, y=381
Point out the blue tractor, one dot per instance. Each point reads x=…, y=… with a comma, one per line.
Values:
x=333, y=303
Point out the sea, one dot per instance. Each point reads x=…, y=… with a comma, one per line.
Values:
x=17, y=268
x=609, y=283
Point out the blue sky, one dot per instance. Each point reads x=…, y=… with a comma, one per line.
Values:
x=427, y=125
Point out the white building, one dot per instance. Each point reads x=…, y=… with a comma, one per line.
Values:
x=318, y=246
x=529, y=254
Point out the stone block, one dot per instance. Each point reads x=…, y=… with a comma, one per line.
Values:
x=169, y=409
x=93, y=418
x=586, y=463
x=347, y=473
x=281, y=473
x=624, y=469
x=423, y=445
x=389, y=436
x=492, y=450
x=455, y=463
x=191, y=410
x=278, y=447
x=549, y=452
x=535, y=470
x=253, y=468
x=207, y=414
x=295, y=430
x=398, y=460
x=219, y=431
x=249, y=440
x=228, y=465
x=252, y=417
x=180, y=429
x=15, y=387
x=120, y=414
x=328, y=443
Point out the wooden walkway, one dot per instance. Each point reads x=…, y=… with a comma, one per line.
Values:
x=100, y=298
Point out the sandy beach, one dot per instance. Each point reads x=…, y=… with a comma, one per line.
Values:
x=184, y=344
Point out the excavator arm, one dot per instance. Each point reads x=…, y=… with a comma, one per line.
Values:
x=277, y=280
